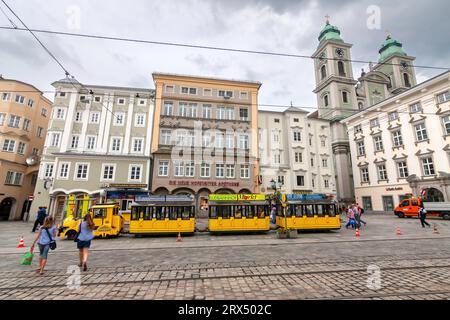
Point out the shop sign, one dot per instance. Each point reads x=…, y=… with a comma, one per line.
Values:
x=394, y=189
x=124, y=185
x=237, y=197
x=197, y=183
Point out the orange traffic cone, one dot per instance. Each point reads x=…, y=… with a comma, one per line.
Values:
x=398, y=232
x=179, y=237
x=357, y=234
x=435, y=230
x=21, y=243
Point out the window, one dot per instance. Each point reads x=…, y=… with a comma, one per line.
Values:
x=207, y=111
x=2, y=118
x=95, y=117
x=14, y=121
x=20, y=99
x=187, y=110
x=446, y=123
x=26, y=125
x=298, y=157
x=63, y=171
x=190, y=169
x=137, y=145
x=365, y=175
x=397, y=138
x=382, y=172
x=416, y=107
x=14, y=178
x=220, y=171
x=402, y=169
x=166, y=136
x=345, y=96
x=30, y=103
x=374, y=123
x=179, y=168
x=98, y=99
x=230, y=114
x=35, y=152
x=220, y=143
x=54, y=142
x=223, y=93
x=206, y=141
x=207, y=92
x=323, y=143
x=230, y=171
x=8, y=145
x=48, y=170
x=163, y=169
x=44, y=112
x=78, y=116
x=191, y=91
x=392, y=116
x=121, y=101
x=142, y=102
x=323, y=72
x=444, y=97
x=297, y=136
x=245, y=171
x=119, y=119
x=277, y=158
x=300, y=181
x=90, y=142
x=168, y=109
x=74, y=142
x=280, y=180
x=59, y=113
x=361, y=149
x=205, y=170
x=108, y=172
x=243, y=114
x=229, y=141
x=243, y=95
x=421, y=132
x=276, y=120
x=360, y=105
x=326, y=183
x=428, y=166
x=39, y=132
x=170, y=89
x=406, y=79
x=135, y=172
x=324, y=163
x=326, y=101
x=378, y=141
x=83, y=99
x=6, y=96
x=116, y=144
x=296, y=120
x=62, y=94
x=312, y=162
x=139, y=120
x=243, y=142
x=358, y=129
x=221, y=113
x=82, y=171
x=341, y=69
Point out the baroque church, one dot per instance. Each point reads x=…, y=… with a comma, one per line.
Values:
x=340, y=95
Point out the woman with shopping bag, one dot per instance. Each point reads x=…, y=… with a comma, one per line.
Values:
x=46, y=241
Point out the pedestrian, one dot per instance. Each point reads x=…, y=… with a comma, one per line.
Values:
x=423, y=216
x=40, y=217
x=84, y=237
x=351, y=218
x=357, y=216
x=361, y=211
x=46, y=234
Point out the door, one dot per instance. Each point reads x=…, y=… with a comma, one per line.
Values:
x=5, y=208
x=367, y=203
x=388, y=203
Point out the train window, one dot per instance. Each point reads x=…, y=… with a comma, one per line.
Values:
x=135, y=213
x=330, y=210
x=212, y=212
x=308, y=209
x=146, y=212
x=160, y=213
x=186, y=213
x=320, y=210
x=238, y=212
x=261, y=211
x=298, y=211
x=173, y=212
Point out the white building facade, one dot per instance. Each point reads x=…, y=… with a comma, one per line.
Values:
x=295, y=151
x=401, y=146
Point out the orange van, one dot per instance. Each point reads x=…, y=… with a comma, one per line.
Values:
x=410, y=208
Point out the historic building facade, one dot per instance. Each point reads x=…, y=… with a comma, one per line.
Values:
x=97, y=146
x=339, y=95
x=24, y=115
x=205, y=137
x=401, y=146
x=295, y=153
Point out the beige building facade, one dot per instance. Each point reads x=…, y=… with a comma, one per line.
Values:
x=401, y=146
x=205, y=137
x=24, y=116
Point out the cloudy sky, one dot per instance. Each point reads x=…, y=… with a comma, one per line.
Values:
x=288, y=26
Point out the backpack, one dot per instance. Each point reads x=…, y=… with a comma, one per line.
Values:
x=362, y=210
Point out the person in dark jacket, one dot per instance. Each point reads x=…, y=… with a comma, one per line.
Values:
x=423, y=216
x=41, y=214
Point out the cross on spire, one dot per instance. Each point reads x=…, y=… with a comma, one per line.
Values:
x=388, y=34
x=327, y=17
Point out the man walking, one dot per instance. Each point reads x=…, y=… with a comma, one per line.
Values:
x=423, y=216
x=41, y=214
x=361, y=211
x=357, y=216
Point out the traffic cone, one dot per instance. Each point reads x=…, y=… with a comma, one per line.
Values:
x=357, y=234
x=435, y=230
x=398, y=232
x=21, y=243
x=179, y=237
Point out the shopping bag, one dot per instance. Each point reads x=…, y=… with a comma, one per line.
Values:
x=27, y=258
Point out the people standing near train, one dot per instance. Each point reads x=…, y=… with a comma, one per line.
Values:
x=423, y=216
x=84, y=238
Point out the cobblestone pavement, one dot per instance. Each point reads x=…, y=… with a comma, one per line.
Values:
x=415, y=265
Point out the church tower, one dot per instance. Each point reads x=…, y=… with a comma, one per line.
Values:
x=336, y=99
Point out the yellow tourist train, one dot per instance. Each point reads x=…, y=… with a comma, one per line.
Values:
x=238, y=213
x=308, y=212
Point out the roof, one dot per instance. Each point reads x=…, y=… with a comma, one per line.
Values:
x=92, y=86
x=30, y=85
x=330, y=32
x=205, y=78
x=389, y=48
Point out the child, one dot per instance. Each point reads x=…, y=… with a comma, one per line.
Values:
x=351, y=218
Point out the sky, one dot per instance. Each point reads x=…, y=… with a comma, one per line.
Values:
x=286, y=26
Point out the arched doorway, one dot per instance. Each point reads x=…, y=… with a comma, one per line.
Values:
x=245, y=191
x=6, y=207
x=434, y=195
x=225, y=191
x=161, y=191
